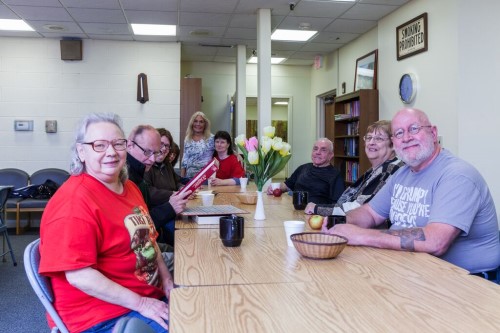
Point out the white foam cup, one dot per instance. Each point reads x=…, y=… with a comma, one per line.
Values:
x=293, y=227
x=207, y=199
x=243, y=183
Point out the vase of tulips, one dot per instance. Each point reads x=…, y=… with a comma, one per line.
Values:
x=264, y=159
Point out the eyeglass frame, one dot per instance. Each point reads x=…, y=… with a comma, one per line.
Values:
x=164, y=148
x=107, y=143
x=413, y=129
x=147, y=152
x=377, y=139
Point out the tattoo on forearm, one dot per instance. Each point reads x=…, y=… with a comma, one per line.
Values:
x=408, y=237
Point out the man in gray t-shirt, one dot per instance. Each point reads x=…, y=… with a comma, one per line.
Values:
x=437, y=203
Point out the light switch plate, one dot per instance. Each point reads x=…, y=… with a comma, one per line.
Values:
x=51, y=126
x=23, y=125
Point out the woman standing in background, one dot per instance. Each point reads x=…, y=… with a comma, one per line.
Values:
x=198, y=145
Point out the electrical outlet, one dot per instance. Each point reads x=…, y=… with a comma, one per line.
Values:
x=51, y=126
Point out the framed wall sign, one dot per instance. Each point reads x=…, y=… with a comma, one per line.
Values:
x=366, y=71
x=411, y=37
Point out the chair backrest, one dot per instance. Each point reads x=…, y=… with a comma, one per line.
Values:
x=132, y=325
x=57, y=175
x=15, y=177
x=4, y=195
x=41, y=284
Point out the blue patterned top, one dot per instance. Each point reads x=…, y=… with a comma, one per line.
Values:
x=197, y=154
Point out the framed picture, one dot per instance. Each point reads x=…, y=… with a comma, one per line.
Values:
x=411, y=37
x=366, y=71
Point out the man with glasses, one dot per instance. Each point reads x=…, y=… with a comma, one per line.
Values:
x=143, y=147
x=437, y=204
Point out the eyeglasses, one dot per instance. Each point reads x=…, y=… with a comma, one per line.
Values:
x=147, y=152
x=413, y=130
x=102, y=145
x=164, y=148
x=377, y=139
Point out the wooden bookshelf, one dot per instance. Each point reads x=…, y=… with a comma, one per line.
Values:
x=346, y=123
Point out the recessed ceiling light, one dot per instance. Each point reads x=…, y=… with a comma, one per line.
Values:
x=293, y=35
x=154, y=29
x=281, y=103
x=15, y=25
x=274, y=61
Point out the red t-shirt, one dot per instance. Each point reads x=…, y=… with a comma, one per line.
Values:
x=87, y=225
x=229, y=168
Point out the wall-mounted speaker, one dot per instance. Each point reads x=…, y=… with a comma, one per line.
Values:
x=71, y=49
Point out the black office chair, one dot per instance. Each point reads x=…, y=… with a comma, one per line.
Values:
x=4, y=194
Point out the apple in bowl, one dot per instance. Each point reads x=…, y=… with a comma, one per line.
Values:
x=315, y=221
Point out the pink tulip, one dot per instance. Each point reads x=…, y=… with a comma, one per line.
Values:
x=251, y=144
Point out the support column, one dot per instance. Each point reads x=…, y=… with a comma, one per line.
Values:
x=241, y=90
x=263, y=69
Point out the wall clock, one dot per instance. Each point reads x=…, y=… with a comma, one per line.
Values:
x=407, y=87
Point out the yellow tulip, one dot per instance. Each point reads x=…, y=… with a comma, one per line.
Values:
x=277, y=143
x=266, y=144
x=253, y=157
x=269, y=131
x=240, y=140
x=285, y=150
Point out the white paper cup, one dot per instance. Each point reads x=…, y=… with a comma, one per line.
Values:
x=243, y=183
x=207, y=199
x=293, y=227
x=275, y=185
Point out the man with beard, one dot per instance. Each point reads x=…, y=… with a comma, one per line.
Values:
x=437, y=203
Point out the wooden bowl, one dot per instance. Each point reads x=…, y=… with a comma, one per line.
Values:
x=317, y=245
x=247, y=198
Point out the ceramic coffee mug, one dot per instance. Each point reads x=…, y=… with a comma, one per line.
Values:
x=299, y=200
x=231, y=230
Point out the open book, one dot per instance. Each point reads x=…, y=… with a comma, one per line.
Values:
x=201, y=176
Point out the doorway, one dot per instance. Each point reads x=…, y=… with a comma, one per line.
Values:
x=280, y=115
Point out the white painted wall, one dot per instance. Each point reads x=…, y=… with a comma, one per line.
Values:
x=35, y=84
x=457, y=76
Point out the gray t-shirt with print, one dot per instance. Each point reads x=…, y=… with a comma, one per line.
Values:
x=449, y=191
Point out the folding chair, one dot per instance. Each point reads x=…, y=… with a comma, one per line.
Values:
x=41, y=284
x=4, y=194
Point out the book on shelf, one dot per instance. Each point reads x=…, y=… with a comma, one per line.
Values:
x=201, y=176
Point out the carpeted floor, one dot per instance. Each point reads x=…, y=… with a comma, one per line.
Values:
x=20, y=308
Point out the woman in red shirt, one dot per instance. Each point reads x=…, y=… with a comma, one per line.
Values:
x=230, y=169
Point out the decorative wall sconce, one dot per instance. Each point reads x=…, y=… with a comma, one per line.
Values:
x=142, y=88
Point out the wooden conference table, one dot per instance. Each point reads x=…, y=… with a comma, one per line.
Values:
x=266, y=286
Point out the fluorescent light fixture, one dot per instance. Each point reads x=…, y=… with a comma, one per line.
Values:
x=274, y=61
x=15, y=25
x=293, y=35
x=154, y=29
x=281, y=103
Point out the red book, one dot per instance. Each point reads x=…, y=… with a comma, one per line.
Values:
x=201, y=176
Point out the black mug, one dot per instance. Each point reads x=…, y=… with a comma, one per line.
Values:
x=335, y=219
x=299, y=200
x=231, y=230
